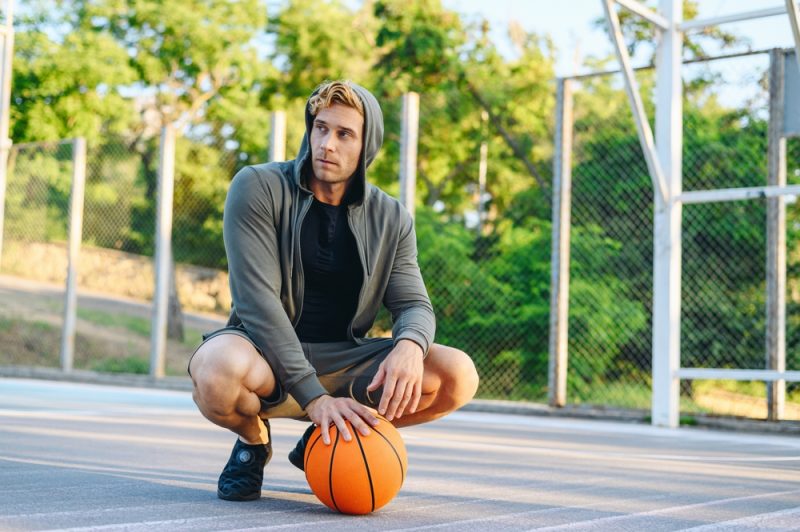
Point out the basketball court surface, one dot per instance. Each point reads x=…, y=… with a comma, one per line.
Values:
x=89, y=457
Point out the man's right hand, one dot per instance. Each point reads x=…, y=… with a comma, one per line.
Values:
x=325, y=411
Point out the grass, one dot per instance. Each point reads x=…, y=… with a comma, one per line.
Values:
x=137, y=365
x=122, y=348
x=134, y=324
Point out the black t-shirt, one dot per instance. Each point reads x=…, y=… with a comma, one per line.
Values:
x=332, y=273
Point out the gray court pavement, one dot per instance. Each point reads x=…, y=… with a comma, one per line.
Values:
x=88, y=457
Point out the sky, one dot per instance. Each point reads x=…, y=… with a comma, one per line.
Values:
x=570, y=24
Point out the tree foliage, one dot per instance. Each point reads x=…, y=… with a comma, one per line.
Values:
x=116, y=71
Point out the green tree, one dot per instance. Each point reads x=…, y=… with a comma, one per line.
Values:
x=64, y=82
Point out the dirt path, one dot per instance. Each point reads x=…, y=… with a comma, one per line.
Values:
x=25, y=303
x=22, y=297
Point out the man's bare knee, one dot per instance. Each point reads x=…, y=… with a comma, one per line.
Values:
x=223, y=369
x=461, y=380
x=456, y=375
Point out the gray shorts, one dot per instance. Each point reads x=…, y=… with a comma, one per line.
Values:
x=350, y=381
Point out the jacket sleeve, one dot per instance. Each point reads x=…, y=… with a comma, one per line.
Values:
x=406, y=296
x=254, y=270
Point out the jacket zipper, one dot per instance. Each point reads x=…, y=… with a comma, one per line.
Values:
x=298, y=261
x=364, y=268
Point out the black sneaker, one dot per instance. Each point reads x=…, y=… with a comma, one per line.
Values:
x=297, y=454
x=243, y=474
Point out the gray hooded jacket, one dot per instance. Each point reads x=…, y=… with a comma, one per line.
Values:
x=264, y=212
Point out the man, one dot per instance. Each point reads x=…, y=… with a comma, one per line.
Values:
x=313, y=251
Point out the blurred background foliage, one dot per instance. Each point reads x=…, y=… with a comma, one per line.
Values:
x=116, y=71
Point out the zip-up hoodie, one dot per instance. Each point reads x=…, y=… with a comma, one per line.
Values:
x=264, y=211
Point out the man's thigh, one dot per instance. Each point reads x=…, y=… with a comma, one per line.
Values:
x=229, y=357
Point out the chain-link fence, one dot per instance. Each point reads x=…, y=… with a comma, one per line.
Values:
x=115, y=260
x=483, y=225
x=34, y=247
x=483, y=230
x=723, y=312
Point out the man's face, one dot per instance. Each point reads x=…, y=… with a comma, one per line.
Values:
x=336, y=143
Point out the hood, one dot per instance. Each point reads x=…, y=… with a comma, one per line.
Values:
x=372, y=137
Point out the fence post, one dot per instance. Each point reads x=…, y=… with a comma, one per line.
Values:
x=73, y=251
x=163, y=254
x=7, y=57
x=776, y=239
x=559, y=264
x=277, y=136
x=482, y=168
x=408, y=150
x=667, y=220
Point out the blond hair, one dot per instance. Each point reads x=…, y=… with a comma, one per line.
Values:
x=332, y=92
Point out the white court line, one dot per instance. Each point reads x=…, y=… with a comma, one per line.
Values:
x=430, y=506
x=131, y=391
x=95, y=512
x=605, y=522
x=538, y=511
x=156, y=420
x=156, y=441
x=148, y=525
x=490, y=443
x=618, y=428
x=626, y=459
x=98, y=468
x=788, y=519
x=701, y=458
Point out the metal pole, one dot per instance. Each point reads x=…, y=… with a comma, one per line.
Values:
x=277, y=136
x=776, y=240
x=482, y=168
x=646, y=13
x=793, y=11
x=73, y=251
x=637, y=107
x=5, y=107
x=166, y=183
x=698, y=24
x=667, y=221
x=408, y=150
x=559, y=264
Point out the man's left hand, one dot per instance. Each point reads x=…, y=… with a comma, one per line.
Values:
x=401, y=377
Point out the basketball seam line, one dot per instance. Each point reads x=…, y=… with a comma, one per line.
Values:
x=308, y=453
x=396, y=454
x=330, y=472
x=366, y=466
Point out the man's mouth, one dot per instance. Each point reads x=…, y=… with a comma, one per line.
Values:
x=326, y=161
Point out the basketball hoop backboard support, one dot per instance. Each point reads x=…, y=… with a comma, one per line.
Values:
x=664, y=163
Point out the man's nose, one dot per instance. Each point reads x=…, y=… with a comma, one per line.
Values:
x=326, y=143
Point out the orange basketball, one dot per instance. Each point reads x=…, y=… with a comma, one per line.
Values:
x=359, y=476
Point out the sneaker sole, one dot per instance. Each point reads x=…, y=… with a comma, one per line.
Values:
x=249, y=497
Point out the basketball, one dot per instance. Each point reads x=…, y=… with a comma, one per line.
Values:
x=359, y=476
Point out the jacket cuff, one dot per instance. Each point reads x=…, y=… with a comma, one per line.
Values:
x=307, y=389
x=415, y=337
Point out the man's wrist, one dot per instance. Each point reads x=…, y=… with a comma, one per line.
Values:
x=411, y=343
